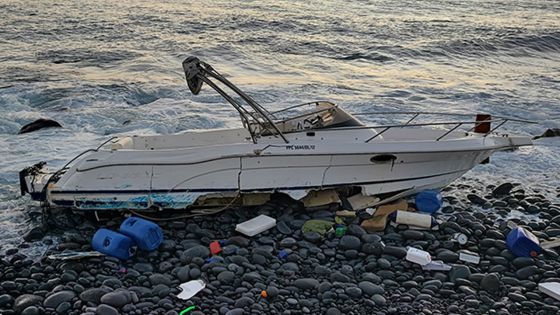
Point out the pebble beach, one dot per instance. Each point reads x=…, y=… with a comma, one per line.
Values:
x=358, y=273
x=112, y=68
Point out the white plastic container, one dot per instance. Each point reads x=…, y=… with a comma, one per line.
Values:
x=437, y=265
x=550, y=288
x=256, y=225
x=418, y=256
x=414, y=219
x=191, y=288
x=469, y=258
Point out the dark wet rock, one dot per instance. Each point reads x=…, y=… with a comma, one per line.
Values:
x=490, y=283
x=502, y=190
x=378, y=299
x=339, y=277
x=196, y=251
x=399, y=252
x=356, y=230
x=526, y=272
x=306, y=283
x=93, y=295
x=312, y=237
x=244, y=302
x=235, y=311
x=6, y=299
x=239, y=241
x=448, y=256
x=333, y=311
x=53, y=300
x=476, y=199
x=353, y=292
x=517, y=297
x=31, y=310
x=350, y=242
x=412, y=234
x=459, y=272
x=551, y=132
x=116, y=299
x=104, y=309
x=63, y=308
x=284, y=228
x=370, y=288
x=26, y=300
x=35, y=233
x=226, y=277
x=158, y=278
x=39, y=124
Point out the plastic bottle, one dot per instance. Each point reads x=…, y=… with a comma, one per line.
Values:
x=418, y=256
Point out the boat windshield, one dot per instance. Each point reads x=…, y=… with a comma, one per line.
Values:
x=309, y=116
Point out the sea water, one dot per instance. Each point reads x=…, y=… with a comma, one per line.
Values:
x=107, y=68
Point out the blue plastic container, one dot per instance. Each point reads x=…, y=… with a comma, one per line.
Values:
x=523, y=243
x=429, y=201
x=147, y=235
x=113, y=244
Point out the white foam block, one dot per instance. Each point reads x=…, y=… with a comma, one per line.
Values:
x=256, y=225
x=550, y=288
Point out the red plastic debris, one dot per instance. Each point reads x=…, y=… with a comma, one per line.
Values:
x=215, y=247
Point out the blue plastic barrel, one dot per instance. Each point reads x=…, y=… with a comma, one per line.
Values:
x=523, y=243
x=429, y=201
x=113, y=244
x=147, y=235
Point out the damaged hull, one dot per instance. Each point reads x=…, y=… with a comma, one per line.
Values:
x=161, y=172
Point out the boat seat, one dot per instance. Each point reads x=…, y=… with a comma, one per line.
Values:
x=123, y=143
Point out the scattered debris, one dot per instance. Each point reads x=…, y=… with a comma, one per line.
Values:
x=436, y=265
x=146, y=234
x=256, y=225
x=255, y=199
x=370, y=211
x=74, y=255
x=523, y=243
x=340, y=230
x=346, y=213
x=215, y=247
x=420, y=220
x=320, y=226
x=460, y=238
x=317, y=198
x=191, y=288
x=379, y=221
x=360, y=201
x=418, y=256
x=469, y=257
x=428, y=201
x=187, y=310
x=550, y=288
x=283, y=254
x=113, y=244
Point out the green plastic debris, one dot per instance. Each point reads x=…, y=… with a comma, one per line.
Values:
x=320, y=226
x=188, y=309
x=340, y=230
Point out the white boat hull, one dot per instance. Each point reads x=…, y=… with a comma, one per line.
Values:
x=174, y=178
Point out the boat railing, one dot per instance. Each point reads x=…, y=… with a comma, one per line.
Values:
x=499, y=120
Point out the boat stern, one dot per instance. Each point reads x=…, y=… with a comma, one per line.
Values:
x=32, y=181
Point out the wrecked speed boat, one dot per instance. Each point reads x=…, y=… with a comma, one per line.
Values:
x=297, y=150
